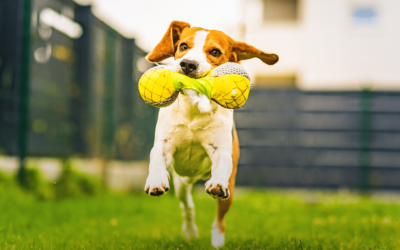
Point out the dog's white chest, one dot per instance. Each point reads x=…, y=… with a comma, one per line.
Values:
x=185, y=132
x=189, y=156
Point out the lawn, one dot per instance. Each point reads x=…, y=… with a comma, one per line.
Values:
x=259, y=219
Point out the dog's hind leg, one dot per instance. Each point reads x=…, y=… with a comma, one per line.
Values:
x=218, y=227
x=183, y=190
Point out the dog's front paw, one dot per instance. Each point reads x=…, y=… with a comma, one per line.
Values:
x=157, y=184
x=217, y=189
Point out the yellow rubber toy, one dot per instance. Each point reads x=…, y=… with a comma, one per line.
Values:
x=228, y=85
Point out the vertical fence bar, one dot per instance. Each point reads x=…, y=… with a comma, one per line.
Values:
x=24, y=91
x=84, y=79
x=364, y=158
x=108, y=98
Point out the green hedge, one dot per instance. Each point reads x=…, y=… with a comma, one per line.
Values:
x=71, y=183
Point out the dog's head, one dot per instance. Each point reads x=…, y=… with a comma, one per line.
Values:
x=197, y=50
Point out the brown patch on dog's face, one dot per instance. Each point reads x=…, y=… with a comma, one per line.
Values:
x=218, y=48
x=167, y=46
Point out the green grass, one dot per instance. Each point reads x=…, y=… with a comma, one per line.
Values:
x=257, y=220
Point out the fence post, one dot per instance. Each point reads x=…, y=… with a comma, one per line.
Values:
x=24, y=91
x=364, y=158
x=108, y=108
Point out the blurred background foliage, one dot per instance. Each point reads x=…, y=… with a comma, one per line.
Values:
x=70, y=184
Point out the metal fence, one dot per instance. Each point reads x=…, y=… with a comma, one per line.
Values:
x=320, y=139
x=68, y=96
x=13, y=73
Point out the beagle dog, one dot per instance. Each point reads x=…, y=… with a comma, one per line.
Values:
x=195, y=137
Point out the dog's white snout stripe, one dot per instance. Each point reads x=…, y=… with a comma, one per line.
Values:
x=197, y=54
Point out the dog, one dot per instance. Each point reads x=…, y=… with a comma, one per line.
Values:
x=194, y=136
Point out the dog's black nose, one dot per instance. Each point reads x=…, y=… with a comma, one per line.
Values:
x=188, y=66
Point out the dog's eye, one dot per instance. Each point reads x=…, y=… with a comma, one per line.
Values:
x=215, y=52
x=183, y=47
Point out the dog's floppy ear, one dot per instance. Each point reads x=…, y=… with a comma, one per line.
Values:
x=167, y=46
x=245, y=51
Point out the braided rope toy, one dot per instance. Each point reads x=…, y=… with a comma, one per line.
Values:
x=228, y=85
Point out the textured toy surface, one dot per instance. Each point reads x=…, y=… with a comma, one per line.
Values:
x=228, y=85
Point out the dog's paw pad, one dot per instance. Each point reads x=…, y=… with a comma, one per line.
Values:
x=217, y=190
x=156, y=192
x=157, y=185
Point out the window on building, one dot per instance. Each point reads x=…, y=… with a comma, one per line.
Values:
x=280, y=10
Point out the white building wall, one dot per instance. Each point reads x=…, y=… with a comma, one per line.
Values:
x=326, y=49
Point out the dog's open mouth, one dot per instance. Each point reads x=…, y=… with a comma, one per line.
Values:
x=203, y=74
x=195, y=75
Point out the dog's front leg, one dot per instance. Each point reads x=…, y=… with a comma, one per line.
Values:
x=221, y=170
x=157, y=182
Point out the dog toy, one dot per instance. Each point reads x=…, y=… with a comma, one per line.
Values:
x=228, y=85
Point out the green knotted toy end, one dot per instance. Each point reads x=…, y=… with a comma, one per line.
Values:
x=201, y=85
